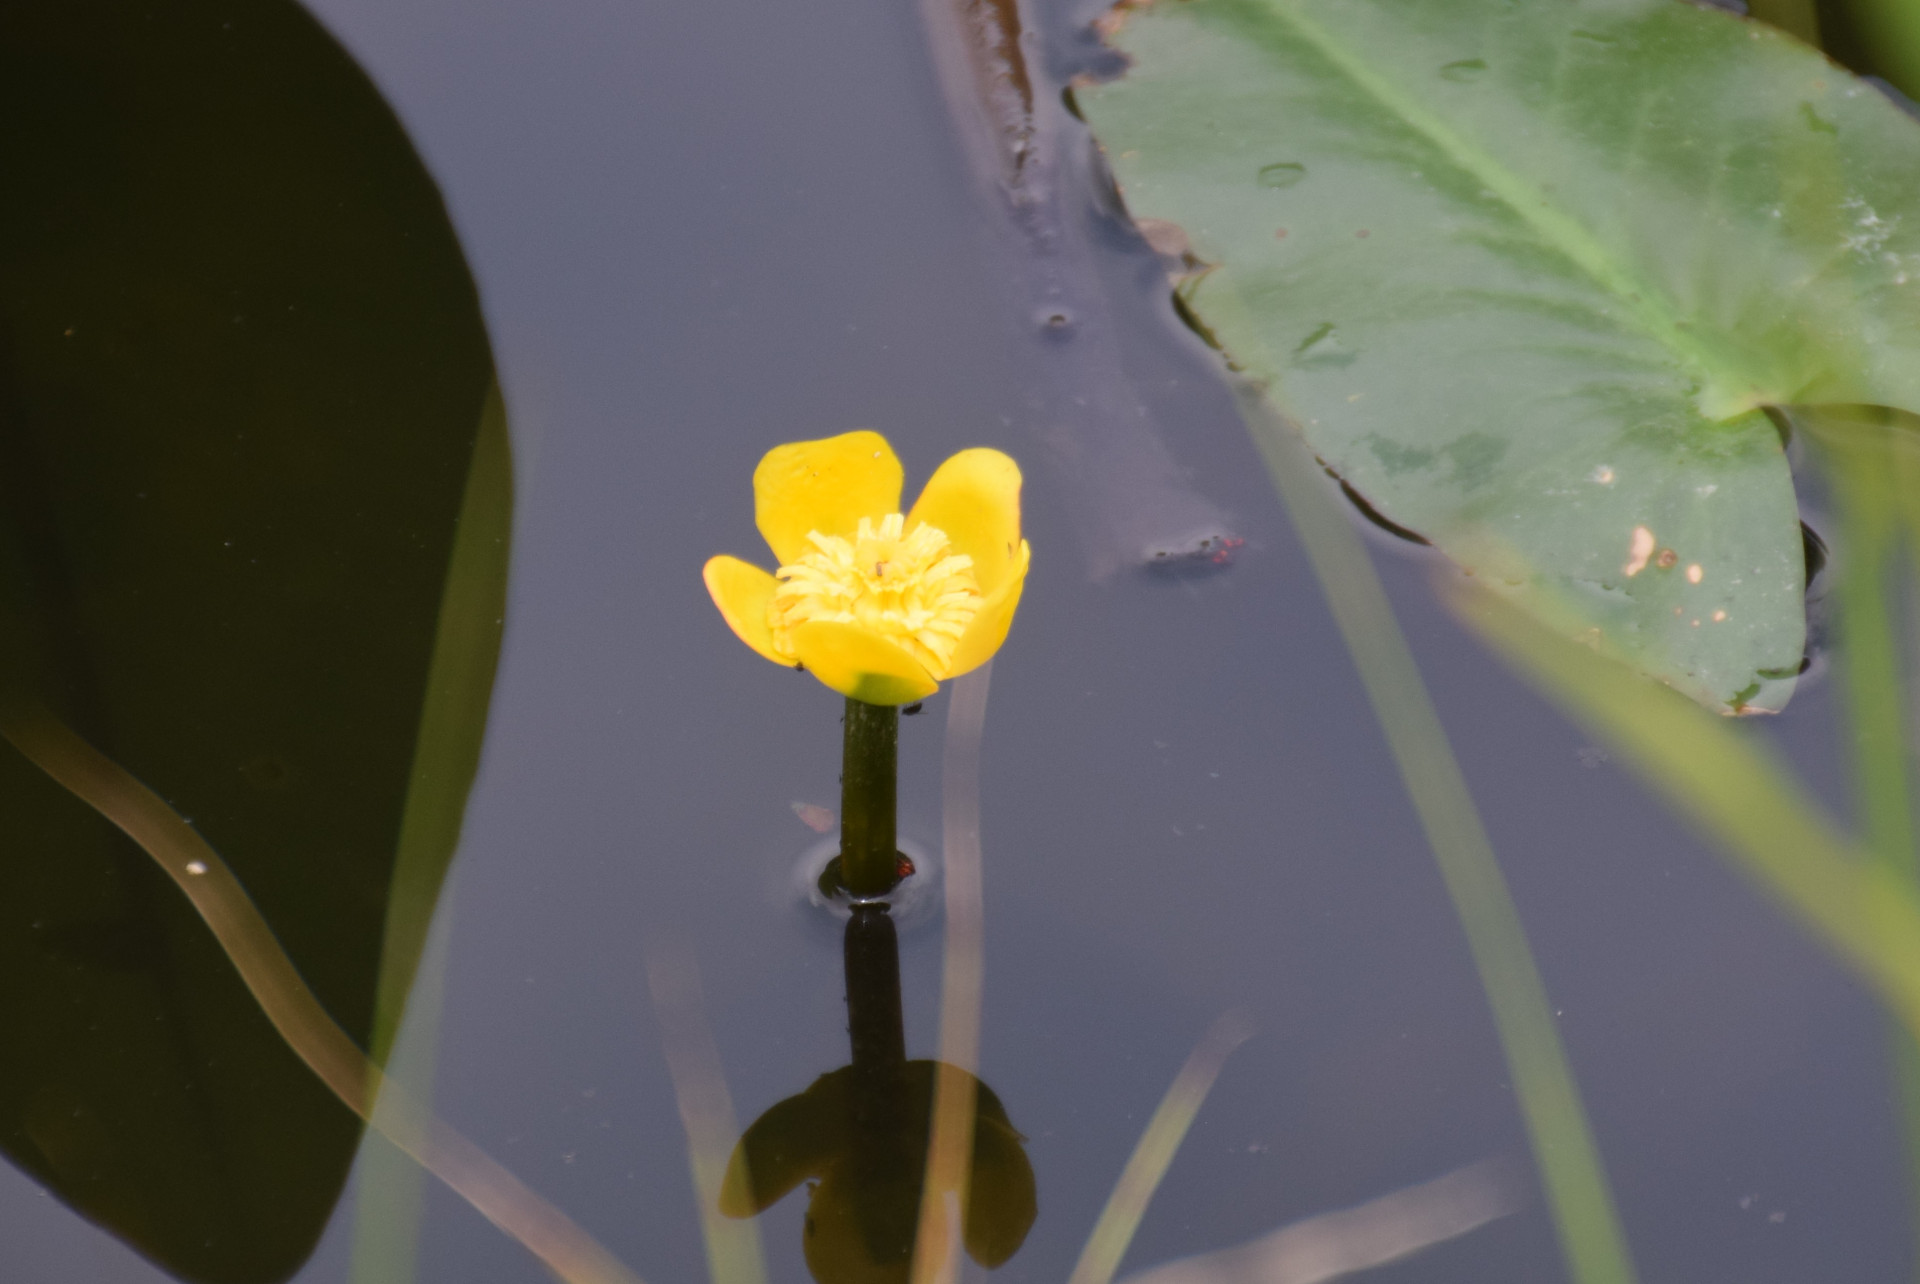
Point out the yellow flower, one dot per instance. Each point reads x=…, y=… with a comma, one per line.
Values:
x=879, y=605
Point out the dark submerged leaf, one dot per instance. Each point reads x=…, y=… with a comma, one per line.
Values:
x=242, y=375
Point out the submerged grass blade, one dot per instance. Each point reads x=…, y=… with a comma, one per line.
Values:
x=193, y=865
x=1563, y=1145
x=1155, y=1149
x=936, y=1256
x=446, y=757
x=390, y=1188
x=734, y=1253
x=453, y=714
x=1360, y=1238
x=1734, y=790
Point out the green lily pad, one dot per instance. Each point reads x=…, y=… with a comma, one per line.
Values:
x=253, y=499
x=1534, y=271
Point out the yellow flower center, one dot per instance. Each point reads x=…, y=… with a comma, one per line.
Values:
x=906, y=586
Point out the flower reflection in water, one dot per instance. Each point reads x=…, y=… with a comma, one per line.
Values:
x=859, y=1137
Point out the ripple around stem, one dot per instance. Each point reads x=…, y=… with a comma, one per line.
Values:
x=914, y=903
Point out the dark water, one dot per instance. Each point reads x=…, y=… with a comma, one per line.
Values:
x=701, y=230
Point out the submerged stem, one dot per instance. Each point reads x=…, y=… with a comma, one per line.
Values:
x=313, y=1035
x=868, y=848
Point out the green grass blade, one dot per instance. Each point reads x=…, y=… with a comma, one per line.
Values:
x=1871, y=460
x=1798, y=18
x=1563, y=1147
x=1730, y=785
x=1861, y=459
x=1893, y=27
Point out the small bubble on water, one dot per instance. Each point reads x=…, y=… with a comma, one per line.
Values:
x=1281, y=174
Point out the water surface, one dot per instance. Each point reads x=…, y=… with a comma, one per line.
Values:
x=701, y=230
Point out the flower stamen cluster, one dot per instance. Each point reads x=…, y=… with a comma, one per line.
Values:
x=907, y=586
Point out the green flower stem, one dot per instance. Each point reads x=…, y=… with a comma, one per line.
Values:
x=868, y=859
x=881, y=1164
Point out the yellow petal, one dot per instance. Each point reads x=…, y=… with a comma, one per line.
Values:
x=988, y=628
x=825, y=486
x=742, y=591
x=857, y=663
x=975, y=498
